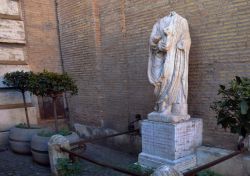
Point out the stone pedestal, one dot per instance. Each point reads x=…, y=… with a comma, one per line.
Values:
x=55, y=153
x=170, y=144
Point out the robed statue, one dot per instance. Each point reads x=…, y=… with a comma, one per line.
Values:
x=168, y=68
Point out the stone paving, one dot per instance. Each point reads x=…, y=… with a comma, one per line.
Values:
x=12, y=164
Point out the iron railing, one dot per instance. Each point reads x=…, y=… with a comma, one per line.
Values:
x=193, y=172
x=82, y=144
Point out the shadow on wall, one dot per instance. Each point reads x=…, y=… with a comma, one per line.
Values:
x=127, y=143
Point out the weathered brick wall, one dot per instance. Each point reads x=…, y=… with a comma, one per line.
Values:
x=105, y=47
x=28, y=41
x=42, y=46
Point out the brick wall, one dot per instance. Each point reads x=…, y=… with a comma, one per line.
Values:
x=41, y=35
x=28, y=41
x=105, y=48
x=42, y=45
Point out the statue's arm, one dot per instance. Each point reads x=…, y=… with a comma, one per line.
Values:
x=155, y=37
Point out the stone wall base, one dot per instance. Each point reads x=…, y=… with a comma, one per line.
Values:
x=180, y=164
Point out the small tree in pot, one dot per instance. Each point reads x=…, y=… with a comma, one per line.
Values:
x=20, y=81
x=52, y=85
x=22, y=133
x=233, y=109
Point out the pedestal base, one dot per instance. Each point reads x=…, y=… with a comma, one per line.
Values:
x=172, y=144
x=180, y=164
x=172, y=118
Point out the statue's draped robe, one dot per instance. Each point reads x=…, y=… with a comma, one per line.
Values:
x=168, y=71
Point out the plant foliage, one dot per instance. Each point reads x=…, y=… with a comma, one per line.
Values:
x=52, y=84
x=47, y=133
x=21, y=81
x=232, y=110
x=23, y=125
x=66, y=167
x=18, y=79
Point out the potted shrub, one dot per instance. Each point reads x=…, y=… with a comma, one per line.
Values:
x=51, y=85
x=232, y=110
x=39, y=143
x=20, y=135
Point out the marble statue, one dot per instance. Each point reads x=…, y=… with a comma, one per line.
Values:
x=168, y=68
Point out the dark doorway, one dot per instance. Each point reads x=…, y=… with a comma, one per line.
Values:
x=46, y=108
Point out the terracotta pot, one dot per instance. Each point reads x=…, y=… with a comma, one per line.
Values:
x=20, y=139
x=39, y=147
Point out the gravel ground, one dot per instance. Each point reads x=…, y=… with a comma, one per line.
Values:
x=12, y=164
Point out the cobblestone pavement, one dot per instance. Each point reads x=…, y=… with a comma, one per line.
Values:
x=12, y=164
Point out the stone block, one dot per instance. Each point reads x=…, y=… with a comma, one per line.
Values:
x=173, y=144
x=171, y=140
x=13, y=97
x=12, y=117
x=55, y=143
x=11, y=53
x=12, y=31
x=9, y=8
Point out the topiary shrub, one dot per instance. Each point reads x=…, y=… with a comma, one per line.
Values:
x=52, y=85
x=21, y=81
x=232, y=110
x=63, y=132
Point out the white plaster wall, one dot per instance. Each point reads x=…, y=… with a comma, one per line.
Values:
x=12, y=34
x=12, y=117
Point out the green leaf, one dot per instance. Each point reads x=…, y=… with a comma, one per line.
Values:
x=232, y=109
x=243, y=107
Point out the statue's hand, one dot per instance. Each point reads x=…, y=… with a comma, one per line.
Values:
x=156, y=39
x=162, y=46
x=154, y=42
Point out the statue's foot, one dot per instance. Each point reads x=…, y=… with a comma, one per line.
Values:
x=167, y=117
